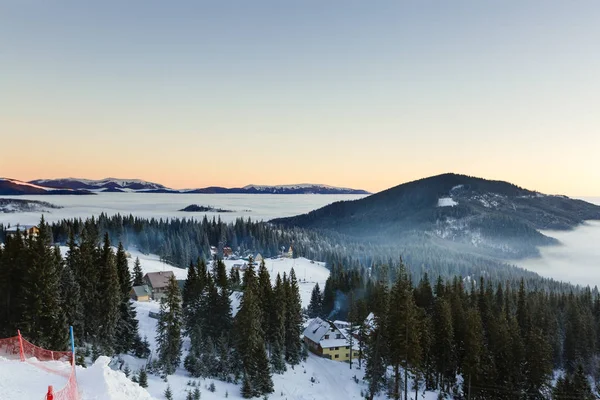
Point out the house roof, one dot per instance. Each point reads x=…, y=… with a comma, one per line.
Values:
x=20, y=228
x=317, y=330
x=159, y=279
x=140, y=291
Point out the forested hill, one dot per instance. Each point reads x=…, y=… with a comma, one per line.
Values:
x=487, y=217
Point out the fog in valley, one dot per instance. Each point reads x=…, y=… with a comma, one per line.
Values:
x=576, y=259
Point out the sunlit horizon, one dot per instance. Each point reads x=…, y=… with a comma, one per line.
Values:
x=363, y=95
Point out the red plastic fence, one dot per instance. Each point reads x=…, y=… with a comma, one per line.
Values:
x=17, y=348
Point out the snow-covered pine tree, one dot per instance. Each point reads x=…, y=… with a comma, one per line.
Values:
x=168, y=328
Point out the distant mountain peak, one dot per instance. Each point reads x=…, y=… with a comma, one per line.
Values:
x=492, y=217
x=141, y=186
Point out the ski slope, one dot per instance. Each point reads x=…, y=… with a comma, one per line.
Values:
x=24, y=381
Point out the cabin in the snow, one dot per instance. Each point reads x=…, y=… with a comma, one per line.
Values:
x=27, y=230
x=240, y=267
x=325, y=339
x=140, y=293
x=227, y=252
x=158, y=282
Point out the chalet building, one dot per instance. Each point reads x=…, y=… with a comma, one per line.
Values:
x=26, y=230
x=325, y=339
x=290, y=253
x=158, y=282
x=258, y=258
x=240, y=267
x=227, y=252
x=140, y=293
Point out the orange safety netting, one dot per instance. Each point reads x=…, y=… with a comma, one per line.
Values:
x=18, y=348
x=10, y=348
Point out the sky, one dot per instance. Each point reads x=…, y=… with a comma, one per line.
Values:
x=363, y=94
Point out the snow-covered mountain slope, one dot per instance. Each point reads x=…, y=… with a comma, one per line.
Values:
x=110, y=184
x=12, y=187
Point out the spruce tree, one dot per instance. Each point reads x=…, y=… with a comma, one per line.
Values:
x=443, y=345
x=404, y=349
x=266, y=303
x=70, y=292
x=168, y=393
x=138, y=276
x=278, y=314
x=473, y=354
x=249, y=341
x=293, y=321
x=376, y=350
x=109, y=299
x=168, y=328
x=127, y=328
x=316, y=301
x=143, y=378
x=43, y=320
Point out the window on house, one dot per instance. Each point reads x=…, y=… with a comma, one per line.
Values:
x=337, y=356
x=347, y=347
x=347, y=355
x=326, y=336
x=337, y=348
x=338, y=336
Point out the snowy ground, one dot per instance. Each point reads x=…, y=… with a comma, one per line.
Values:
x=19, y=381
x=25, y=381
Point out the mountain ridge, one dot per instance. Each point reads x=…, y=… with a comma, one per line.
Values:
x=142, y=186
x=487, y=217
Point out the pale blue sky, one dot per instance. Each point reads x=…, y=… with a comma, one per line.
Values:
x=364, y=94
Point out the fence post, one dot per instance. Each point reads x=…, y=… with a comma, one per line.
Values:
x=21, y=352
x=72, y=347
x=50, y=395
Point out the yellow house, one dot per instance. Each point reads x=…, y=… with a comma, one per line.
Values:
x=325, y=339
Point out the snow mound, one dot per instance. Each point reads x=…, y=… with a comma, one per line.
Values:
x=21, y=381
x=446, y=202
x=99, y=382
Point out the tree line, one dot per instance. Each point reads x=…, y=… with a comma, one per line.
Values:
x=181, y=241
x=469, y=339
x=43, y=292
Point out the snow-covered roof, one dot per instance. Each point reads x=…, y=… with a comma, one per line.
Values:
x=318, y=329
x=20, y=228
x=341, y=324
